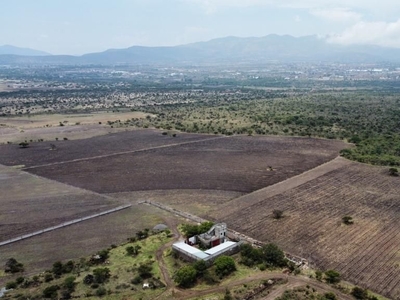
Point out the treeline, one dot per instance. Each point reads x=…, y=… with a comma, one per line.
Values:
x=370, y=120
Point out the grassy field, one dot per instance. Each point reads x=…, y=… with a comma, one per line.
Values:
x=74, y=126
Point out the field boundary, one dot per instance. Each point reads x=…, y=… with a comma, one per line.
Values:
x=65, y=224
x=121, y=153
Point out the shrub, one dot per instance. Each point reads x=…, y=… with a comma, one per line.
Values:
x=101, y=291
x=332, y=276
x=359, y=293
x=13, y=266
x=20, y=280
x=11, y=285
x=347, y=220
x=137, y=279
x=185, y=276
x=277, y=214
x=51, y=292
x=224, y=265
x=101, y=274
x=48, y=277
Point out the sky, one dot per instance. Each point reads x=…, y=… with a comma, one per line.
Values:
x=82, y=26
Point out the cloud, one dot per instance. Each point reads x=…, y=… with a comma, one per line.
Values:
x=385, y=34
x=297, y=19
x=371, y=6
x=337, y=15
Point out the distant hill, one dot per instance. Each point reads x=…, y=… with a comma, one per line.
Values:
x=227, y=50
x=12, y=50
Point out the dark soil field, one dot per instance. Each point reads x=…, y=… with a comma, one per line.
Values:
x=367, y=252
x=30, y=203
x=40, y=153
x=240, y=163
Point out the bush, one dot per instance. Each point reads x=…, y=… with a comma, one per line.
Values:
x=185, y=276
x=11, y=285
x=13, y=266
x=330, y=296
x=101, y=291
x=145, y=271
x=20, y=280
x=332, y=276
x=359, y=293
x=137, y=279
x=89, y=279
x=273, y=255
x=101, y=275
x=51, y=292
x=347, y=220
x=277, y=214
x=224, y=265
x=48, y=277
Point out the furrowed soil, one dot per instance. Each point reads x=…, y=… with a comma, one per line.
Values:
x=367, y=252
x=30, y=203
x=241, y=164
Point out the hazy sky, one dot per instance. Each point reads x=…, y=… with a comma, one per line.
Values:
x=81, y=26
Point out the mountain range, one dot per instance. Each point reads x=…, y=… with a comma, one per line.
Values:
x=226, y=50
x=8, y=49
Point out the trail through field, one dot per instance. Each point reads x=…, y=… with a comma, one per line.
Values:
x=123, y=152
x=293, y=281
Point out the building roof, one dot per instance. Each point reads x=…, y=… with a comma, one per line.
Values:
x=220, y=247
x=191, y=250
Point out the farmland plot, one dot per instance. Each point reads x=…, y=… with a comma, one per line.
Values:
x=240, y=164
x=367, y=253
x=30, y=203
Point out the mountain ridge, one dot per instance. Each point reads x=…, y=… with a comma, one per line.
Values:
x=14, y=50
x=230, y=49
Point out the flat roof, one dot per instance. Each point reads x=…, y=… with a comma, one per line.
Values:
x=220, y=247
x=191, y=250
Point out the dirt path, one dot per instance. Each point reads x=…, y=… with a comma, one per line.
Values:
x=276, y=291
x=123, y=152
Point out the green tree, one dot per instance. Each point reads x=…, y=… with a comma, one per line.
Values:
x=145, y=270
x=69, y=284
x=57, y=268
x=13, y=266
x=224, y=265
x=24, y=145
x=200, y=267
x=277, y=214
x=332, y=276
x=101, y=275
x=347, y=220
x=185, y=276
x=51, y=292
x=273, y=255
x=330, y=296
x=359, y=293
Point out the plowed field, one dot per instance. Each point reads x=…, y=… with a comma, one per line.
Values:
x=367, y=253
x=240, y=163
